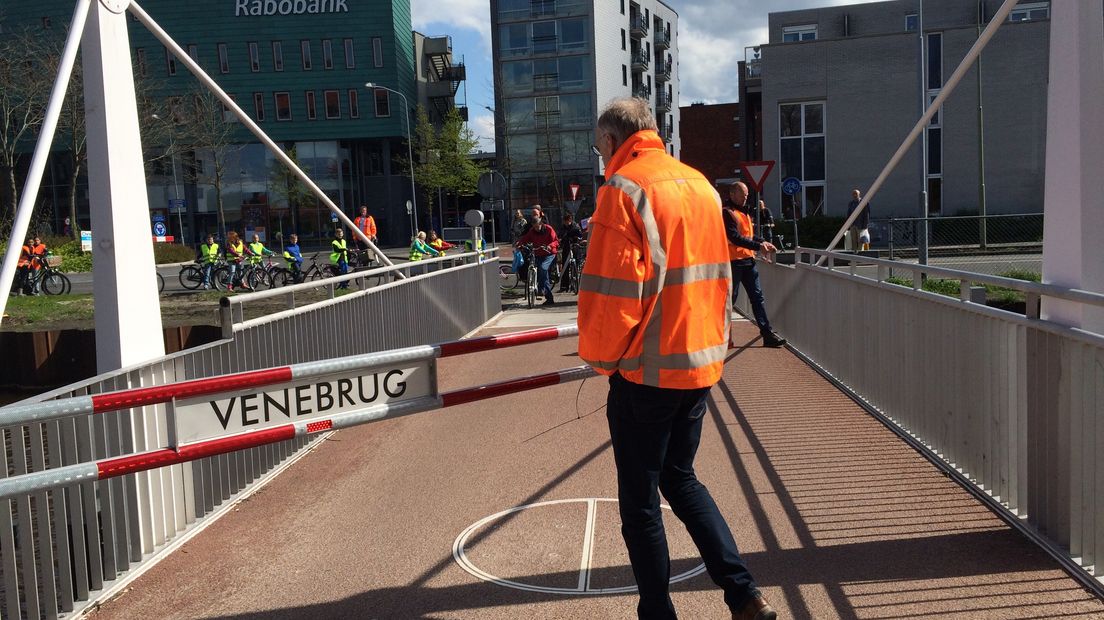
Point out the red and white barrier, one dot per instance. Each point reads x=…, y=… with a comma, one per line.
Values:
x=118, y=466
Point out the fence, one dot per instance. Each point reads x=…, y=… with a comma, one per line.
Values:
x=59, y=549
x=1008, y=403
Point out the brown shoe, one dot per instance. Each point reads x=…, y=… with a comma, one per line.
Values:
x=755, y=609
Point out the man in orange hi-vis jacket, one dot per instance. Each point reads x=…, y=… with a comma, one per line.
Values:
x=653, y=316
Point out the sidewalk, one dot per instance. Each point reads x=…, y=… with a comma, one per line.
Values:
x=836, y=517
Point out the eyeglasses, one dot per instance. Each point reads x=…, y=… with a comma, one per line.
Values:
x=594, y=149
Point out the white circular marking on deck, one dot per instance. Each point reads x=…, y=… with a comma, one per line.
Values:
x=584, y=586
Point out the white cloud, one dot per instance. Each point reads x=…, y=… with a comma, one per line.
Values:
x=453, y=14
x=484, y=127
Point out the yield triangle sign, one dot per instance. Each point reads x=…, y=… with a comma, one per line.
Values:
x=756, y=172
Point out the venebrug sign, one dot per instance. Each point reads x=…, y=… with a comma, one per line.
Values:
x=257, y=8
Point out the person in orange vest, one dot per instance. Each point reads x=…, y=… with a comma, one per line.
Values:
x=366, y=224
x=25, y=282
x=654, y=317
x=742, y=246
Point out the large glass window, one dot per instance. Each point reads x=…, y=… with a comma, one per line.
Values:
x=514, y=39
x=513, y=9
x=544, y=37
x=517, y=77
x=519, y=115
x=802, y=156
x=546, y=74
x=935, y=61
x=1030, y=11
x=573, y=72
x=575, y=110
x=573, y=34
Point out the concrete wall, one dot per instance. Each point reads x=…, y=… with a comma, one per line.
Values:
x=871, y=89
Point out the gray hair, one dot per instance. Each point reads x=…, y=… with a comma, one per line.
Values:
x=625, y=116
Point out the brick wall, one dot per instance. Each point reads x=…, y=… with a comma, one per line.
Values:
x=709, y=135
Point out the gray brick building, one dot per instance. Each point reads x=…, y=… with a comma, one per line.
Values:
x=837, y=90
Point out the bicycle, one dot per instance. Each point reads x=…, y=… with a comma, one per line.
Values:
x=160, y=281
x=48, y=278
x=573, y=267
x=364, y=260
x=282, y=276
x=191, y=276
x=529, y=260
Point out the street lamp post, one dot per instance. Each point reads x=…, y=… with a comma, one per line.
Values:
x=409, y=148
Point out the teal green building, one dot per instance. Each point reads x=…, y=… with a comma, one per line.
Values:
x=298, y=68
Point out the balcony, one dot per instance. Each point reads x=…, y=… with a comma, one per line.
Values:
x=638, y=26
x=642, y=91
x=753, y=58
x=663, y=71
x=640, y=61
x=662, y=40
x=663, y=102
x=665, y=133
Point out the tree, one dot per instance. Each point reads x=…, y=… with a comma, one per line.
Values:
x=204, y=130
x=25, y=82
x=444, y=157
x=286, y=185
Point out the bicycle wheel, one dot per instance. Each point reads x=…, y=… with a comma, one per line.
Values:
x=280, y=277
x=191, y=277
x=220, y=278
x=572, y=275
x=160, y=282
x=531, y=287
x=507, y=279
x=54, y=283
x=68, y=284
x=257, y=279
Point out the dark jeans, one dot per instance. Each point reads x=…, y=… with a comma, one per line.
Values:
x=744, y=272
x=655, y=434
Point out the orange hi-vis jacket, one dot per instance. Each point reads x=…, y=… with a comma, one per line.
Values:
x=367, y=225
x=654, y=294
x=747, y=229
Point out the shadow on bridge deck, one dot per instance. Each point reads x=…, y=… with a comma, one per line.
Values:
x=836, y=517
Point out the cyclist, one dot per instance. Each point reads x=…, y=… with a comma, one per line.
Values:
x=571, y=237
x=235, y=254
x=25, y=282
x=545, y=246
x=294, y=257
x=419, y=248
x=208, y=256
x=339, y=255
x=438, y=243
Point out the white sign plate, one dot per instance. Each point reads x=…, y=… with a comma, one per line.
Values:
x=231, y=413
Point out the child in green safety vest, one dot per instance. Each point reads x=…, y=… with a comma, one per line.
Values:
x=208, y=256
x=294, y=257
x=339, y=255
x=419, y=248
x=257, y=251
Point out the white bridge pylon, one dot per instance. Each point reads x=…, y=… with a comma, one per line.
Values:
x=102, y=25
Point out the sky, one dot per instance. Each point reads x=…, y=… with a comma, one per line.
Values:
x=712, y=37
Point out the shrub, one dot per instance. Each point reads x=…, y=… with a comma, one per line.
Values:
x=813, y=232
x=1022, y=274
x=172, y=253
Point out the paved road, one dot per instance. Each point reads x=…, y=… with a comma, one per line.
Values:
x=837, y=518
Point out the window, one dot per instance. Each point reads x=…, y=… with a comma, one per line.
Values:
x=304, y=49
x=791, y=34
x=383, y=103
x=935, y=61
x=623, y=39
x=45, y=22
x=513, y=9
x=193, y=52
x=333, y=103
x=258, y=106
x=350, y=61
x=517, y=77
x=912, y=22
x=1030, y=11
x=573, y=34
x=277, y=56
x=312, y=108
x=622, y=7
x=514, y=40
x=377, y=51
x=546, y=74
x=354, y=104
x=544, y=37
x=170, y=62
x=327, y=54
x=140, y=60
x=575, y=110
x=802, y=155
x=542, y=8
x=227, y=115
x=254, y=57
x=224, y=58
x=573, y=71
x=624, y=75
x=283, y=106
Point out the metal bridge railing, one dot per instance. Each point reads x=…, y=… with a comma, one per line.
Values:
x=60, y=549
x=1008, y=403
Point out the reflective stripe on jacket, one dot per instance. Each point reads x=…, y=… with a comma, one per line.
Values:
x=654, y=293
x=743, y=221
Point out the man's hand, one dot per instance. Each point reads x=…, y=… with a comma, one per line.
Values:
x=768, y=248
